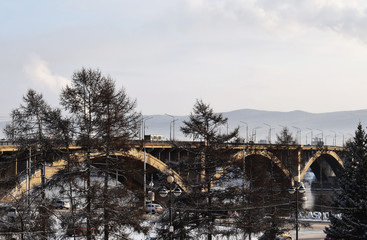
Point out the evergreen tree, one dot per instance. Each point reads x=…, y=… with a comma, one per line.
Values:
x=205, y=168
x=285, y=137
x=271, y=185
x=351, y=198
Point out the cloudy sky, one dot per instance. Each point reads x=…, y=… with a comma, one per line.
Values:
x=281, y=55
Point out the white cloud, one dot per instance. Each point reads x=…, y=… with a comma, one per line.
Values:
x=38, y=70
x=288, y=17
x=235, y=53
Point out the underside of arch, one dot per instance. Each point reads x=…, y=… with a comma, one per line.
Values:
x=159, y=165
x=59, y=165
x=335, y=165
x=267, y=155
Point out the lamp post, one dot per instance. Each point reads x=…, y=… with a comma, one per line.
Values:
x=297, y=188
x=253, y=137
x=322, y=135
x=342, y=138
x=145, y=161
x=269, y=136
x=150, y=190
x=173, y=188
x=298, y=135
x=311, y=136
x=172, y=126
x=334, y=141
x=246, y=140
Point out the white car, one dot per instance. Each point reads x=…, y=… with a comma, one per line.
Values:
x=12, y=212
x=153, y=208
x=60, y=204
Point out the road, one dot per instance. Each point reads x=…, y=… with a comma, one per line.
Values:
x=315, y=232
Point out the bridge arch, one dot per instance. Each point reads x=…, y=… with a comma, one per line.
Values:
x=334, y=165
x=266, y=154
x=157, y=164
x=60, y=164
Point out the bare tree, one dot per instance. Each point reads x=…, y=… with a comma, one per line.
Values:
x=29, y=132
x=105, y=122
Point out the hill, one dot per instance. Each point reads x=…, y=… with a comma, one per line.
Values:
x=333, y=126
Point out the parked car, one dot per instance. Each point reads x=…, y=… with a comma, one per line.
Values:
x=153, y=208
x=12, y=212
x=8, y=210
x=60, y=204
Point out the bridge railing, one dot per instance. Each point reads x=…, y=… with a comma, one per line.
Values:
x=180, y=144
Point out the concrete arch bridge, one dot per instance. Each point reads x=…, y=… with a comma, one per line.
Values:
x=323, y=163
x=134, y=160
x=290, y=161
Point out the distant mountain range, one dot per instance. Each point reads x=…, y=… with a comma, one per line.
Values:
x=333, y=127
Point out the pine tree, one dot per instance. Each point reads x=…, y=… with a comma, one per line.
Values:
x=210, y=159
x=285, y=137
x=351, y=198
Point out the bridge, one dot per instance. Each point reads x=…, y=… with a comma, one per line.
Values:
x=294, y=160
x=290, y=161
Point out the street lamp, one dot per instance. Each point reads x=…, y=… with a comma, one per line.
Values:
x=298, y=188
x=269, y=136
x=150, y=190
x=334, y=141
x=246, y=130
x=145, y=161
x=300, y=135
x=322, y=135
x=172, y=126
x=253, y=137
x=311, y=136
x=342, y=138
x=142, y=125
x=173, y=188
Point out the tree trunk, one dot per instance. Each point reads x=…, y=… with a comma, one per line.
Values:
x=105, y=193
x=43, y=207
x=89, y=233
